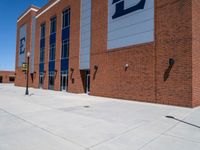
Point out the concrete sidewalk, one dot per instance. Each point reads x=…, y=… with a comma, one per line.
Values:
x=49, y=120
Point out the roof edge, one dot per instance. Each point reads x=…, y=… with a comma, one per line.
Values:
x=30, y=8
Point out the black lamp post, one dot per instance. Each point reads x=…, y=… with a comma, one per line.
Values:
x=27, y=73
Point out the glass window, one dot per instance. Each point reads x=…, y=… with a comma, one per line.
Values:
x=42, y=31
x=53, y=25
x=65, y=49
x=66, y=18
x=41, y=55
x=52, y=52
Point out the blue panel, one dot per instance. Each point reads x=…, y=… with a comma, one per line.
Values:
x=65, y=33
x=84, y=56
x=22, y=44
x=42, y=43
x=51, y=66
x=41, y=67
x=33, y=45
x=52, y=38
x=64, y=64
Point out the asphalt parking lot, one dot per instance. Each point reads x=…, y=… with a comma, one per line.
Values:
x=49, y=120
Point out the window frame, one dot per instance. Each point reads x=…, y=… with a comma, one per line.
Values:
x=53, y=24
x=65, y=42
x=66, y=11
x=52, y=54
x=42, y=26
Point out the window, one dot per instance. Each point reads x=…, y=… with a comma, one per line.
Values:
x=41, y=55
x=11, y=79
x=42, y=42
x=65, y=49
x=53, y=25
x=42, y=31
x=52, y=52
x=1, y=79
x=66, y=18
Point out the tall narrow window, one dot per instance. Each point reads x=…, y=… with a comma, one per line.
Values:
x=53, y=25
x=42, y=31
x=65, y=49
x=65, y=30
x=42, y=42
x=66, y=18
x=52, y=52
x=42, y=54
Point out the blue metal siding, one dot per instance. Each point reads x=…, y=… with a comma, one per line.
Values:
x=85, y=34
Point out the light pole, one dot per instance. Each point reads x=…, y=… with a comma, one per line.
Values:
x=27, y=73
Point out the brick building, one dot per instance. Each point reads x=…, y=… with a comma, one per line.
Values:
x=7, y=77
x=144, y=50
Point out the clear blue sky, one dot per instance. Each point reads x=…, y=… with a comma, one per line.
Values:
x=10, y=10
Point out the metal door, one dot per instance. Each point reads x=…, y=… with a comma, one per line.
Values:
x=88, y=83
x=41, y=81
x=64, y=82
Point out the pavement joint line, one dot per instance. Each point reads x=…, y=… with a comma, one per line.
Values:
x=182, y=138
x=164, y=132
x=115, y=137
x=43, y=129
x=49, y=108
x=31, y=102
x=32, y=112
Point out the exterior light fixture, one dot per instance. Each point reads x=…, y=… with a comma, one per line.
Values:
x=56, y=71
x=33, y=75
x=72, y=69
x=168, y=70
x=95, y=71
x=171, y=61
x=44, y=72
x=95, y=67
x=126, y=66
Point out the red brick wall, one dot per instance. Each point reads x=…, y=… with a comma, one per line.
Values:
x=5, y=76
x=144, y=79
x=196, y=52
x=174, y=40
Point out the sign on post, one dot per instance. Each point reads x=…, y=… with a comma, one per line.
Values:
x=24, y=67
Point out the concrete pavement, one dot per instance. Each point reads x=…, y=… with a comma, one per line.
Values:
x=49, y=120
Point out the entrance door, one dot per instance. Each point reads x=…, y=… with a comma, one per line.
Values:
x=51, y=80
x=1, y=79
x=41, y=81
x=64, y=80
x=88, y=83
